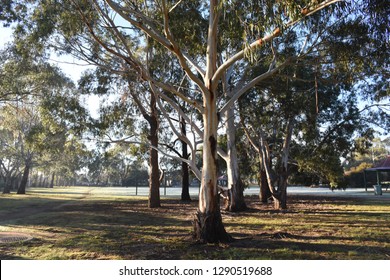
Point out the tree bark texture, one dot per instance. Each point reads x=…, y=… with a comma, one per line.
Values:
x=265, y=192
x=236, y=201
x=23, y=182
x=236, y=186
x=185, y=183
x=208, y=226
x=154, y=176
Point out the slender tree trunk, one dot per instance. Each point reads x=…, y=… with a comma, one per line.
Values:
x=53, y=175
x=7, y=185
x=265, y=192
x=282, y=203
x=9, y=180
x=235, y=184
x=185, y=183
x=278, y=187
x=23, y=182
x=44, y=183
x=280, y=198
x=40, y=181
x=154, y=177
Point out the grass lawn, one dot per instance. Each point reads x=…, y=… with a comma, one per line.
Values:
x=75, y=223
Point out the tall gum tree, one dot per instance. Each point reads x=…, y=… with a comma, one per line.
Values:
x=96, y=33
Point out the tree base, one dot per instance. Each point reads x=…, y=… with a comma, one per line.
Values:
x=235, y=202
x=240, y=207
x=208, y=228
x=280, y=204
x=185, y=196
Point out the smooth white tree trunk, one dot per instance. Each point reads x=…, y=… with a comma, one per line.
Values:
x=208, y=225
x=236, y=200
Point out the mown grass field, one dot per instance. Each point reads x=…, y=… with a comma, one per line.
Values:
x=73, y=223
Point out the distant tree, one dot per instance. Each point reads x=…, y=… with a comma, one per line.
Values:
x=116, y=121
x=39, y=105
x=11, y=160
x=367, y=151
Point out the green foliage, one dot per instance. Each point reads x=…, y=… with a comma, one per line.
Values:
x=41, y=109
x=12, y=10
x=189, y=26
x=367, y=153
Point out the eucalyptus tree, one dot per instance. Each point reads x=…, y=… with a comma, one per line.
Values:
x=290, y=102
x=39, y=105
x=175, y=148
x=355, y=62
x=118, y=121
x=10, y=140
x=110, y=29
x=318, y=98
x=20, y=122
x=14, y=72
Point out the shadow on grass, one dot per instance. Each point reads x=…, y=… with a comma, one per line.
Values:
x=290, y=246
x=127, y=229
x=97, y=230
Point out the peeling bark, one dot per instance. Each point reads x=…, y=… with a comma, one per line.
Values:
x=208, y=226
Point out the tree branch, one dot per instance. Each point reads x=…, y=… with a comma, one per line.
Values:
x=250, y=85
x=168, y=42
x=261, y=42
